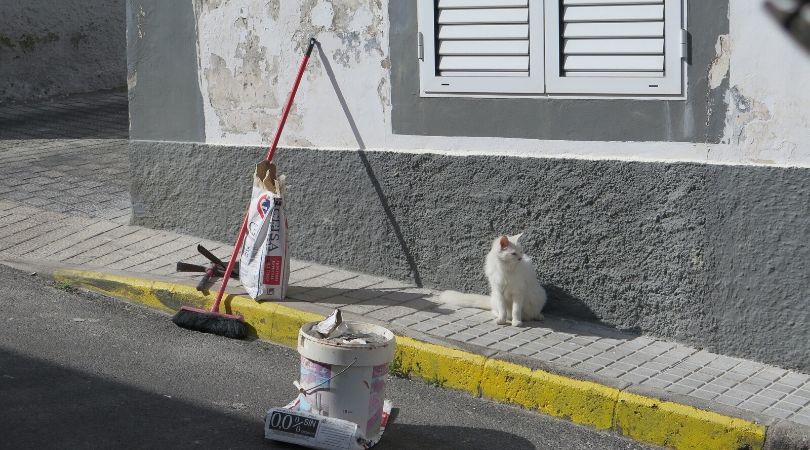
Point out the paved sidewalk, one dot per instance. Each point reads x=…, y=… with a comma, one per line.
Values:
x=65, y=200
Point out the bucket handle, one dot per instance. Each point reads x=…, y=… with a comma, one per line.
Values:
x=313, y=388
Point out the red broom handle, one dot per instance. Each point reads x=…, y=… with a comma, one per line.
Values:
x=243, y=230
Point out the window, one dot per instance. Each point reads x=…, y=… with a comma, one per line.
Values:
x=551, y=47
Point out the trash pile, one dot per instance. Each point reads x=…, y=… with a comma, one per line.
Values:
x=335, y=331
x=341, y=387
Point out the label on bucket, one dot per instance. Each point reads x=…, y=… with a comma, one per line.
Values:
x=315, y=374
x=375, y=399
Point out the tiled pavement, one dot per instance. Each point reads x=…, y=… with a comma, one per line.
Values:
x=64, y=199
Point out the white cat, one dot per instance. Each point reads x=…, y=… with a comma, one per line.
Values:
x=515, y=293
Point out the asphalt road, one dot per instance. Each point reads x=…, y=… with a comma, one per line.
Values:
x=78, y=370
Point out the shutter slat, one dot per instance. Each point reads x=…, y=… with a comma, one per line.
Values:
x=477, y=16
x=614, y=46
x=611, y=2
x=450, y=4
x=456, y=73
x=484, y=48
x=615, y=74
x=614, y=63
x=483, y=32
x=610, y=30
x=613, y=13
x=484, y=63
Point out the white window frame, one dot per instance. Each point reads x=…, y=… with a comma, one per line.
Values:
x=545, y=80
x=670, y=84
x=432, y=84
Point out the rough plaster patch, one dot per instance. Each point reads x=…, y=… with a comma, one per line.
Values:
x=383, y=94
x=77, y=38
x=752, y=130
x=357, y=23
x=345, y=11
x=718, y=71
x=352, y=34
x=141, y=20
x=273, y=7
x=717, y=74
x=132, y=81
x=208, y=5
x=362, y=18
x=301, y=141
x=744, y=115
x=349, y=51
x=245, y=95
x=27, y=42
x=322, y=14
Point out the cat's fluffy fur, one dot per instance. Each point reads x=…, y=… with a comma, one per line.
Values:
x=515, y=293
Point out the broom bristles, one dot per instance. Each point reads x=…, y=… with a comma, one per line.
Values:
x=226, y=325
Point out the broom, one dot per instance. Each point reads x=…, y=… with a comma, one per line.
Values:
x=213, y=321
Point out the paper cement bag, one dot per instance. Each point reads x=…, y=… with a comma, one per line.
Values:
x=291, y=424
x=264, y=268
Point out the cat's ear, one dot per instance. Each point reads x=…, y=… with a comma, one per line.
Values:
x=515, y=237
x=504, y=242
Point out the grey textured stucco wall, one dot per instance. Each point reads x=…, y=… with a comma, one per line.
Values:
x=164, y=92
x=699, y=118
x=715, y=256
x=50, y=48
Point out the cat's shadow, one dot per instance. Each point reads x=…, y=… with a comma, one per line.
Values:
x=563, y=313
x=567, y=313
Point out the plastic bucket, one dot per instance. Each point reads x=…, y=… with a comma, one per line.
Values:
x=346, y=380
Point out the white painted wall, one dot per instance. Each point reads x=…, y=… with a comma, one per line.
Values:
x=249, y=51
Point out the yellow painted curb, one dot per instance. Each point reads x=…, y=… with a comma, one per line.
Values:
x=642, y=418
x=271, y=321
x=684, y=427
x=441, y=366
x=579, y=401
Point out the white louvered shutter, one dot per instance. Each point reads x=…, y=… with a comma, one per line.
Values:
x=622, y=47
x=481, y=46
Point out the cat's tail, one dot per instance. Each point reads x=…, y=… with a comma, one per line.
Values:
x=462, y=299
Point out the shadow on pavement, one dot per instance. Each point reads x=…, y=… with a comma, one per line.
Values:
x=433, y=437
x=47, y=406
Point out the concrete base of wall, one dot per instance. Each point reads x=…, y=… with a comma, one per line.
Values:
x=714, y=256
